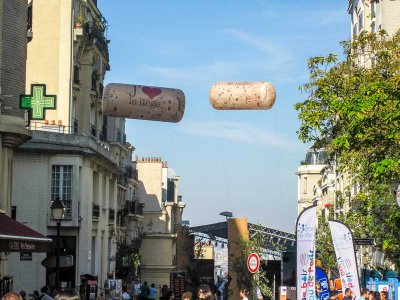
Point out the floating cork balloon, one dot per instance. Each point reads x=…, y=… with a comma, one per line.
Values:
x=143, y=102
x=242, y=95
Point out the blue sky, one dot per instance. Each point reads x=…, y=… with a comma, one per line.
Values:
x=239, y=161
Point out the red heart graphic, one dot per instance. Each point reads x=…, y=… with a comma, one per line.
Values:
x=151, y=91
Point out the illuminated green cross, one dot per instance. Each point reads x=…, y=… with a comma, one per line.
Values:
x=37, y=102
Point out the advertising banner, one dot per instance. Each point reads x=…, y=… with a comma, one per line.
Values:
x=345, y=257
x=305, y=254
x=323, y=292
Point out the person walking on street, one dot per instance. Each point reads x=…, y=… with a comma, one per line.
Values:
x=205, y=293
x=348, y=294
x=125, y=294
x=44, y=293
x=67, y=295
x=135, y=287
x=243, y=294
x=152, y=292
x=165, y=293
x=144, y=291
x=364, y=294
x=12, y=296
x=187, y=296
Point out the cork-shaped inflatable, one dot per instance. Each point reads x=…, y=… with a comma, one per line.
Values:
x=143, y=102
x=242, y=95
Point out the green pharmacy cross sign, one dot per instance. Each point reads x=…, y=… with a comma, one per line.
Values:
x=37, y=102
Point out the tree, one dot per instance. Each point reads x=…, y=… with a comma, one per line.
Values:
x=246, y=280
x=353, y=111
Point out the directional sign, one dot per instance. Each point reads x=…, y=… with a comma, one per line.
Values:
x=364, y=241
x=253, y=262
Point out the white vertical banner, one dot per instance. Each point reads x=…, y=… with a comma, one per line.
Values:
x=345, y=257
x=305, y=252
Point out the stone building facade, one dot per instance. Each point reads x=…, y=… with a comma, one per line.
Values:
x=76, y=153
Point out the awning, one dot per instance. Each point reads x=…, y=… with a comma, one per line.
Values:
x=16, y=237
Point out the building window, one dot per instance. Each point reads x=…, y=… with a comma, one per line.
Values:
x=373, y=10
x=61, y=186
x=360, y=21
x=29, y=20
x=305, y=186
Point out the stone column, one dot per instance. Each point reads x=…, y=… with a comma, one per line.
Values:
x=237, y=230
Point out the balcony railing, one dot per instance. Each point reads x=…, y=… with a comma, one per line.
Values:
x=122, y=178
x=96, y=36
x=76, y=75
x=96, y=211
x=134, y=207
x=131, y=173
x=111, y=215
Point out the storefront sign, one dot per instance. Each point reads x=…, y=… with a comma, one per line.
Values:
x=25, y=256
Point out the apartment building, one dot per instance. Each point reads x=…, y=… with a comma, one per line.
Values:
x=76, y=153
x=373, y=16
x=159, y=191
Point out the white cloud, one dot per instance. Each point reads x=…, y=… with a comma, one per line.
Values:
x=237, y=132
x=277, y=53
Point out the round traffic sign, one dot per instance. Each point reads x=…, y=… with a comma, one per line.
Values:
x=253, y=262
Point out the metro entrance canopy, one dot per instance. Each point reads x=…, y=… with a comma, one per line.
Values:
x=276, y=241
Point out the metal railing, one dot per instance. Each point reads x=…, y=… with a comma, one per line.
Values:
x=111, y=215
x=96, y=211
x=133, y=207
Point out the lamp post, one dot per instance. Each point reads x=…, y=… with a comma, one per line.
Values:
x=57, y=210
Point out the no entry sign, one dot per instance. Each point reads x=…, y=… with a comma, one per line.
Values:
x=253, y=262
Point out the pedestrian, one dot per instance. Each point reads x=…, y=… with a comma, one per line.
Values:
x=152, y=292
x=12, y=296
x=44, y=293
x=165, y=293
x=67, y=295
x=22, y=294
x=125, y=294
x=187, y=296
x=384, y=295
x=34, y=295
x=348, y=294
x=135, y=287
x=144, y=291
x=370, y=295
x=377, y=296
x=243, y=294
x=205, y=293
x=364, y=294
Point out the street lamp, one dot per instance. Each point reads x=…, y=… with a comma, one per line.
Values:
x=57, y=210
x=226, y=214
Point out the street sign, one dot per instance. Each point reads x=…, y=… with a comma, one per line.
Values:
x=364, y=241
x=253, y=262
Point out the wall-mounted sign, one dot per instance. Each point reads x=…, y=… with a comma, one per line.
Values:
x=37, y=102
x=25, y=256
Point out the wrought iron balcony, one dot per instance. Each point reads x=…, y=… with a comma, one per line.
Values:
x=111, y=215
x=122, y=178
x=131, y=173
x=134, y=207
x=95, y=36
x=96, y=211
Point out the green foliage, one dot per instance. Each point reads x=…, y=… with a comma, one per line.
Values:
x=353, y=111
x=127, y=262
x=325, y=252
x=246, y=280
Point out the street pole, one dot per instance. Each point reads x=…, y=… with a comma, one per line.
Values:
x=57, y=287
x=274, y=289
